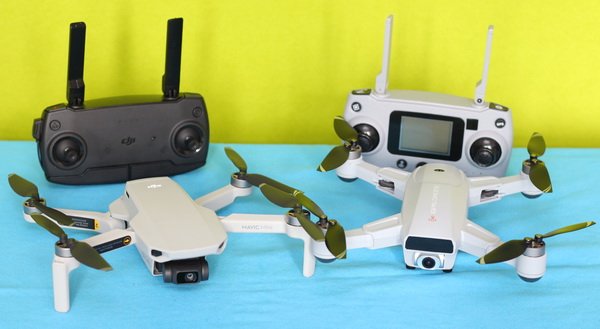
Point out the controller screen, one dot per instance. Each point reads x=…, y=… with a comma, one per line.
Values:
x=425, y=135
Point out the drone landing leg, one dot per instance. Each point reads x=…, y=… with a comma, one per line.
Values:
x=61, y=268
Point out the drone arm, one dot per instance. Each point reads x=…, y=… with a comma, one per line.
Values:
x=84, y=220
x=111, y=240
x=488, y=189
x=223, y=197
x=477, y=241
x=252, y=223
x=382, y=233
x=388, y=180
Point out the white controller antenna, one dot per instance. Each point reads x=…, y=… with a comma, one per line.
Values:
x=482, y=84
x=381, y=82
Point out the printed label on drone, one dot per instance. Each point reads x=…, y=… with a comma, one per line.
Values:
x=257, y=227
x=114, y=244
x=88, y=223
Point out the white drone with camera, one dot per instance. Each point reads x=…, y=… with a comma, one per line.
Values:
x=433, y=225
x=174, y=233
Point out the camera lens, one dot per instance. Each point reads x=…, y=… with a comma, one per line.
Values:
x=191, y=277
x=428, y=262
x=187, y=277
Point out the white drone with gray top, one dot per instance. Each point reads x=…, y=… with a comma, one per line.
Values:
x=172, y=232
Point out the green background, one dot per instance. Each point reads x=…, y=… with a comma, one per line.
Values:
x=279, y=71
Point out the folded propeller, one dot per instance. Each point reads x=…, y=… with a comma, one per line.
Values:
x=538, y=173
x=334, y=236
x=27, y=189
x=289, y=197
x=81, y=251
x=339, y=154
x=254, y=179
x=515, y=248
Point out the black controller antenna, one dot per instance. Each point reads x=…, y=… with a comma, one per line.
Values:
x=170, y=80
x=75, y=85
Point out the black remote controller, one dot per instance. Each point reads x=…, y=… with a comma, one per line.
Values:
x=122, y=138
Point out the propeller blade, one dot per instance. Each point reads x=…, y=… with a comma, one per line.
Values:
x=23, y=187
x=344, y=130
x=49, y=225
x=309, y=204
x=506, y=251
x=313, y=230
x=538, y=174
x=569, y=228
x=335, y=158
x=278, y=196
x=536, y=145
x=58, y=216
x=335, y=239
x=89, y=256
x=258, y=180
x=236, y=159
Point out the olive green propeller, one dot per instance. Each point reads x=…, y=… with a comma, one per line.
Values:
x=339, y=154
x=81, y=251
x=254, y=179
x=334, y=236
x=538, y=173
x=515, y=248
x=27, y=189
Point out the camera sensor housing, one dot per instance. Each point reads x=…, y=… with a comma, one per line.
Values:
x=185, y=271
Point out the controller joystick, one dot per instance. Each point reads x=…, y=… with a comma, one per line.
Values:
x=189, y=140
x=485, y=152
x=68, y=151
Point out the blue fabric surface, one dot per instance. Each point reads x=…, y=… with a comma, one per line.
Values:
x=258, y=280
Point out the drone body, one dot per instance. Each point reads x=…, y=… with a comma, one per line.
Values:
x=433, y=226
x=172, y=232
x=169, y=225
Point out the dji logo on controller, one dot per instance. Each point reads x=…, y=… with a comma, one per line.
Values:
x=128, y=140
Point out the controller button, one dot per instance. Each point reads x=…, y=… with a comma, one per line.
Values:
x=54, y=125
x=401, y=163
x=500, y=123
